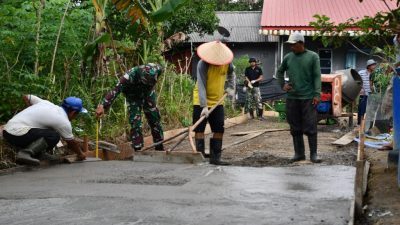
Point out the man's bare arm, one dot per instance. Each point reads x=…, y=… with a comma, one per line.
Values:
x=75, y=147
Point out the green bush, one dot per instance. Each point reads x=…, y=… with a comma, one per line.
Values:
x=240, y=65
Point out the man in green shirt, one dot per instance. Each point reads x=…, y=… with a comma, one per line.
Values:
x=303, y=93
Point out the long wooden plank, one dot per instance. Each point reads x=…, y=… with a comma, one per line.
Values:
x=168, y=157
x=361, y=144
x=243, y=139
x=365, y=177
x=256, y=131
x=358, y=187
x=345, y=139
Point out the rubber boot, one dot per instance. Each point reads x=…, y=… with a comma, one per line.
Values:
x=136, y=148
x=298, y=144
x=159, y=147
x=215, y=152
x=313, y=143
x=24, y=156
x=200, y=146
x=261, y=114
x=251, y=112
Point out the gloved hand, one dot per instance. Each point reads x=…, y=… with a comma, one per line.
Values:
x=204, y=112
x=244, y=89
x=230, y=92
x=253, y=81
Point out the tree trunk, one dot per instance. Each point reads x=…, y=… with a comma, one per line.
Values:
x=38, y=25
x=57, y=40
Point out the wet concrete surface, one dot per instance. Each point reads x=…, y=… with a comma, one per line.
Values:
x=124, y=192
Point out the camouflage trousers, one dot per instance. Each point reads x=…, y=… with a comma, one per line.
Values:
x=149, y=106
x=253, y=100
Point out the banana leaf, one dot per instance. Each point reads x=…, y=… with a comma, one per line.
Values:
x=90, y=48
x=167, y=10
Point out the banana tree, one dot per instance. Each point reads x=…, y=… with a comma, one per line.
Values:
x=149, y=15
x=100, y=29
x=160, y=10
x=100, y=7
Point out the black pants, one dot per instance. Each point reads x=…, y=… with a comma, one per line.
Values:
x=51, y=137
x=216, y=119
x=301, y=116
x=362, y=107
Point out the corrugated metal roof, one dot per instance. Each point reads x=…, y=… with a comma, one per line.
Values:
x=243, y=26
x=286, y=14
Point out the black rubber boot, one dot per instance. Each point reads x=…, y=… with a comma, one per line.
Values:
x=313, y=143
x=298, y=144
x=251, y=112
x=261, y=114
x=200, y=147
x=159, y=147
x=37, y=147
x=136, y=148
x=215, y=152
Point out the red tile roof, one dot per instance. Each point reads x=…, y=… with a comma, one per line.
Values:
x=297, y=14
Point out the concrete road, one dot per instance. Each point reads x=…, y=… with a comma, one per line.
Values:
x=124, y=192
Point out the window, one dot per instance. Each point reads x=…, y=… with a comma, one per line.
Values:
x=351, y=59
x=325, y=59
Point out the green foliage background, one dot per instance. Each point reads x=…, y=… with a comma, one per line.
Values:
x=77, y=48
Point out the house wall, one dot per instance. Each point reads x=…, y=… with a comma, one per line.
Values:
x=338, y=54
x=265, y=52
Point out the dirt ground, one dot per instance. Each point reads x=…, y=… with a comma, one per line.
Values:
x=276, y=148
x=383, y=199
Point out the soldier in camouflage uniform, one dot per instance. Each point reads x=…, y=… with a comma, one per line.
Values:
x=250, y=103
x=253, y=75
x=138, y=86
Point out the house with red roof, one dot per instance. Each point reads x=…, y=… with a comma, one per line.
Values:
x=262, y=34
x=282, y=17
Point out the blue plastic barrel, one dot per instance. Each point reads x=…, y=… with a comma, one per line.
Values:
x=396, y=120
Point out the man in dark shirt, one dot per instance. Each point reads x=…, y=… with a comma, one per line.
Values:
x=253, y=75
x=303, y=94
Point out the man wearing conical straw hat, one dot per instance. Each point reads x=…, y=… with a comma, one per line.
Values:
x=213, y=70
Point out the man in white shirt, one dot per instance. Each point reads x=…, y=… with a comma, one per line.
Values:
x=39, y=127
x=396, y=42
x=366, y=88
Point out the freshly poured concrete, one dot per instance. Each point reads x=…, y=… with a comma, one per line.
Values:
x=123, y=192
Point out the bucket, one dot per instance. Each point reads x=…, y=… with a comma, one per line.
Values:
x=351, y=84
x=324, y=107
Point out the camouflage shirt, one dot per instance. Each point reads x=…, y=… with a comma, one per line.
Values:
x=136, y=84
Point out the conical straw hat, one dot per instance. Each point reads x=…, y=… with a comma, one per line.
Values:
x=215, y=53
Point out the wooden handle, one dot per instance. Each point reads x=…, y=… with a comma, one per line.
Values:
x=178, y=142
x=165, y=140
